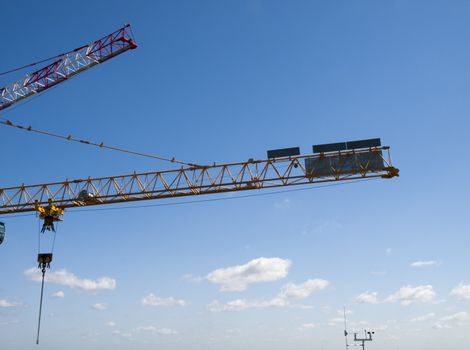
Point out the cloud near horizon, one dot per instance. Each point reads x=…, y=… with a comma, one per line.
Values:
x=283, y=299
x=153, y=300
x=66, y=278
x=458, y=319
x=303, y=290
x=427, y=263
x=237, y=278
x=60, y=294
x=243, y=304
x=100, y=306
x=367, y=298
x=423, y=318
x=5, y=303
x=156, y=330
x=406, y=296
x=461, y=292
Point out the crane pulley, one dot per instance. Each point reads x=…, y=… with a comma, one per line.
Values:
x=49, y=214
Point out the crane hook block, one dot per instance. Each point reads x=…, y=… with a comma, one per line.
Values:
x=44, y=260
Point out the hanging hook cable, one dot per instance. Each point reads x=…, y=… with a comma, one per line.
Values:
x=91, y=143
x=43, y=270
x=55, y=234
x=44, y=261
x=39, y=236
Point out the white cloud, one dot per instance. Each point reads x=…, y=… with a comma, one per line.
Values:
x=462, y=292
x=153, y=300
x=423, y=318
x=60, y=294
x=111, y=323
x=288, y=291
x=457, y=319
x=388, y=251
x=66, y=278
x=243, y=304
x=409, y=295
x=427, y=263
x=341, y=312
x=233, y=331
x=100, y=306
x=122, y=334
x=237, y=278
x=367, y=298
x=378, y=273
x=5, y=303
x=159, y=331
x=6, y=323
x=303, y=290
x=439, y=325
x=193, y=279
x=335, y=321
x=307, y=326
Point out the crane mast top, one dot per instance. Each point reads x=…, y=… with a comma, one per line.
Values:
x=69, y=65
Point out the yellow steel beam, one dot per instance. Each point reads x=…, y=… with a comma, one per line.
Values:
x=190, y=181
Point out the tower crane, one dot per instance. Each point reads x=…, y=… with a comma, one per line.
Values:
x=67, y=65
x=337, y=162
x=343, y=161
x=280, y=169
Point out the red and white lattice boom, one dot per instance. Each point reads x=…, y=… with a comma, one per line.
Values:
x=70, y=64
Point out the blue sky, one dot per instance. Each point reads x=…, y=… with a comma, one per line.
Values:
x=224, y=81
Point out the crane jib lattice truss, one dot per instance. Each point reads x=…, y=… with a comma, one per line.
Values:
x=67, y=66
x=190, y=181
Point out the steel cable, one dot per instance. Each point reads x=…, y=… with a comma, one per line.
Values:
x=9, y=123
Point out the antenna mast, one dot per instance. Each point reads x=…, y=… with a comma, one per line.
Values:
x=345, y=329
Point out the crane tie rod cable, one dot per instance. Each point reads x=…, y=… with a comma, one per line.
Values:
x=49, y=58
x=37, y=62
x=91, y=143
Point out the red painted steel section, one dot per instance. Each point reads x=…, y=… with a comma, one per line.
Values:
x=101, y=50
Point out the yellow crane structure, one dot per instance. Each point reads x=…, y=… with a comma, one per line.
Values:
x=343, y=161
x=50, y=199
